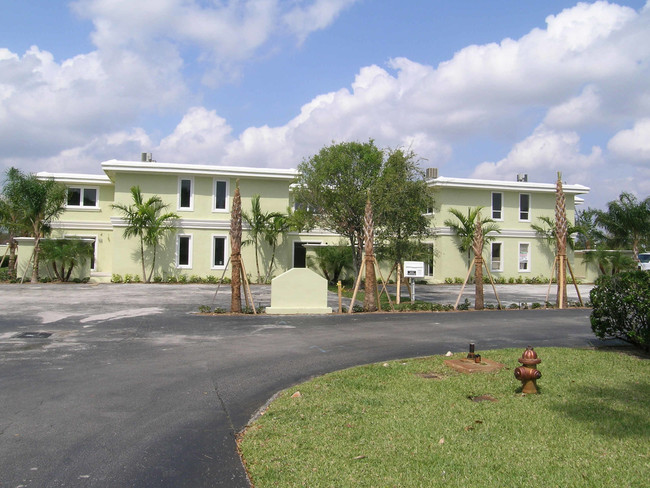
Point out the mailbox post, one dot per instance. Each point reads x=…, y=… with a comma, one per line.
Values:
x=412, y=270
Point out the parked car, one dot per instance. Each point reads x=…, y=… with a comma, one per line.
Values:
x=644, y=261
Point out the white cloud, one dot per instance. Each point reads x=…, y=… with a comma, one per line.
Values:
x=541, y=155
x=632, y=145
x=317, y=15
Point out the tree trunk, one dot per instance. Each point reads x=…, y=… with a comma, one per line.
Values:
x=153, y=264
x=479, y=302
x=12, y=258
x=370, y=300
x=37, y=243
x=144, y=271
x=235, y=256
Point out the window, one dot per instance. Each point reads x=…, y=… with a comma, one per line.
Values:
x=428, y=263
x=524, y=206
x=497, y=206
x=524, y=256
x=185, y=193
x=496, y=253
x=184, y=251
x=220, y=195
x=82, y=197
x=218, y=252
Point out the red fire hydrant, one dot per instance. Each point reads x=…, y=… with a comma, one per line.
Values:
x=528, y=373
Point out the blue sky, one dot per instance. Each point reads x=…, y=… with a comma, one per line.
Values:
x=477, y=89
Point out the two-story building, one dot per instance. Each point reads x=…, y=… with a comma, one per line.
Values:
x=202, y=196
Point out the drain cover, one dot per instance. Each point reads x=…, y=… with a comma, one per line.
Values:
x=33, y=335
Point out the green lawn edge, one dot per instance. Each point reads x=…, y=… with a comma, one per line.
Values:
x=387, y=424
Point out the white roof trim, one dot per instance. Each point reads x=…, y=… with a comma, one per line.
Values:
x=196, y=169
x=444, y=182
x=75, y=178
x=81, y=225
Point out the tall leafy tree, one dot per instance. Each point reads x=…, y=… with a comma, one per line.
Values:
x=33, y=203
x=402, y=198
x=334, y=185
x=627, y=222
x=148, y=221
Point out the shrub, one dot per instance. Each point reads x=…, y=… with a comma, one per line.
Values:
x=458, y=281
x=182, y=279
x=116, y=278
x=195, y=279
x=465, y=305
x=211, y=279
x=129, y=278
x=449, y=281
x=205, y=309
x=511, y=280
x=621, y=307
x=536, y=305
x=4, y=274
x=513, y=306
x=219, y=310
x=171, y=279
x=157, y=279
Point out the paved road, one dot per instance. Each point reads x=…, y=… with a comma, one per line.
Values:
x=134, y=389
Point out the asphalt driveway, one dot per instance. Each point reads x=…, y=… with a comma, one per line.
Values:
x=132, y=388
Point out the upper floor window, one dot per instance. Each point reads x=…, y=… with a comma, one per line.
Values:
x=524, y=206
x=83, y=197
x=497, y=206
x=220, y=195
x=185, y=193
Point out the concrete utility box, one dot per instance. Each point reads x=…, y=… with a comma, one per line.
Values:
x=298, y=291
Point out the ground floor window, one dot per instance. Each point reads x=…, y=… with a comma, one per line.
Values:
x=428, y=262
x=524, y=256
x=496, y=262
x=218, y=252
x=184, y=251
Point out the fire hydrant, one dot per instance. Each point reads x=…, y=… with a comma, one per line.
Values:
x=528, y=373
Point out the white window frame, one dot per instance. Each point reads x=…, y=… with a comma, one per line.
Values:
x=225, y=252
x=492, y=268
x=519, y=261
x=189, y=251
x=180, y=182
x=81, y=205
x=529, y=207
x=498, y=219
x=214, y=195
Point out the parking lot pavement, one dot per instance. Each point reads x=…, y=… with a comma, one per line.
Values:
x=52, y=302
x=125, y=385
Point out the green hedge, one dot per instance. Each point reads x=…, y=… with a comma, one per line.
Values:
x=621, y=307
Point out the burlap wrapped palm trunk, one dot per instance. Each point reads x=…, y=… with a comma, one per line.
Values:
x=561, y=238
x=370, y=300
x=235, y=256
x=477, y=247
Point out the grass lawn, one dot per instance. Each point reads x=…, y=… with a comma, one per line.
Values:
x=388, y=424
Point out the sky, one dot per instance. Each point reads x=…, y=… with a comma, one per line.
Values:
x=477, y=89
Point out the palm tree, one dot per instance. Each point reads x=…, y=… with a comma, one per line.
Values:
x=465, y=225
x=257, y=222
x=32, y=204
x=145, y=220
x=66, y=252
x=546, y=230
x=627, y=222
x=473, y=234
x=588, y=235
x=277, y=227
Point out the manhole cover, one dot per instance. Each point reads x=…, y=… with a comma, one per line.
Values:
x=33, y=335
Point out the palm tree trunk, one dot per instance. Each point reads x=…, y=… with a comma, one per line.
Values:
x=370, y=285
x=144, y=272
x=37, y=243
x=235, y=256
x=153, y=264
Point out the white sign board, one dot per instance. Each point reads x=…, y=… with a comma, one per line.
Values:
x=413, y=269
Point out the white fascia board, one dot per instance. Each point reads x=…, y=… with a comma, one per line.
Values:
x=187, y=224
x=114, y=166
x=521, y=234
x=74, y=178
x=524, y=186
